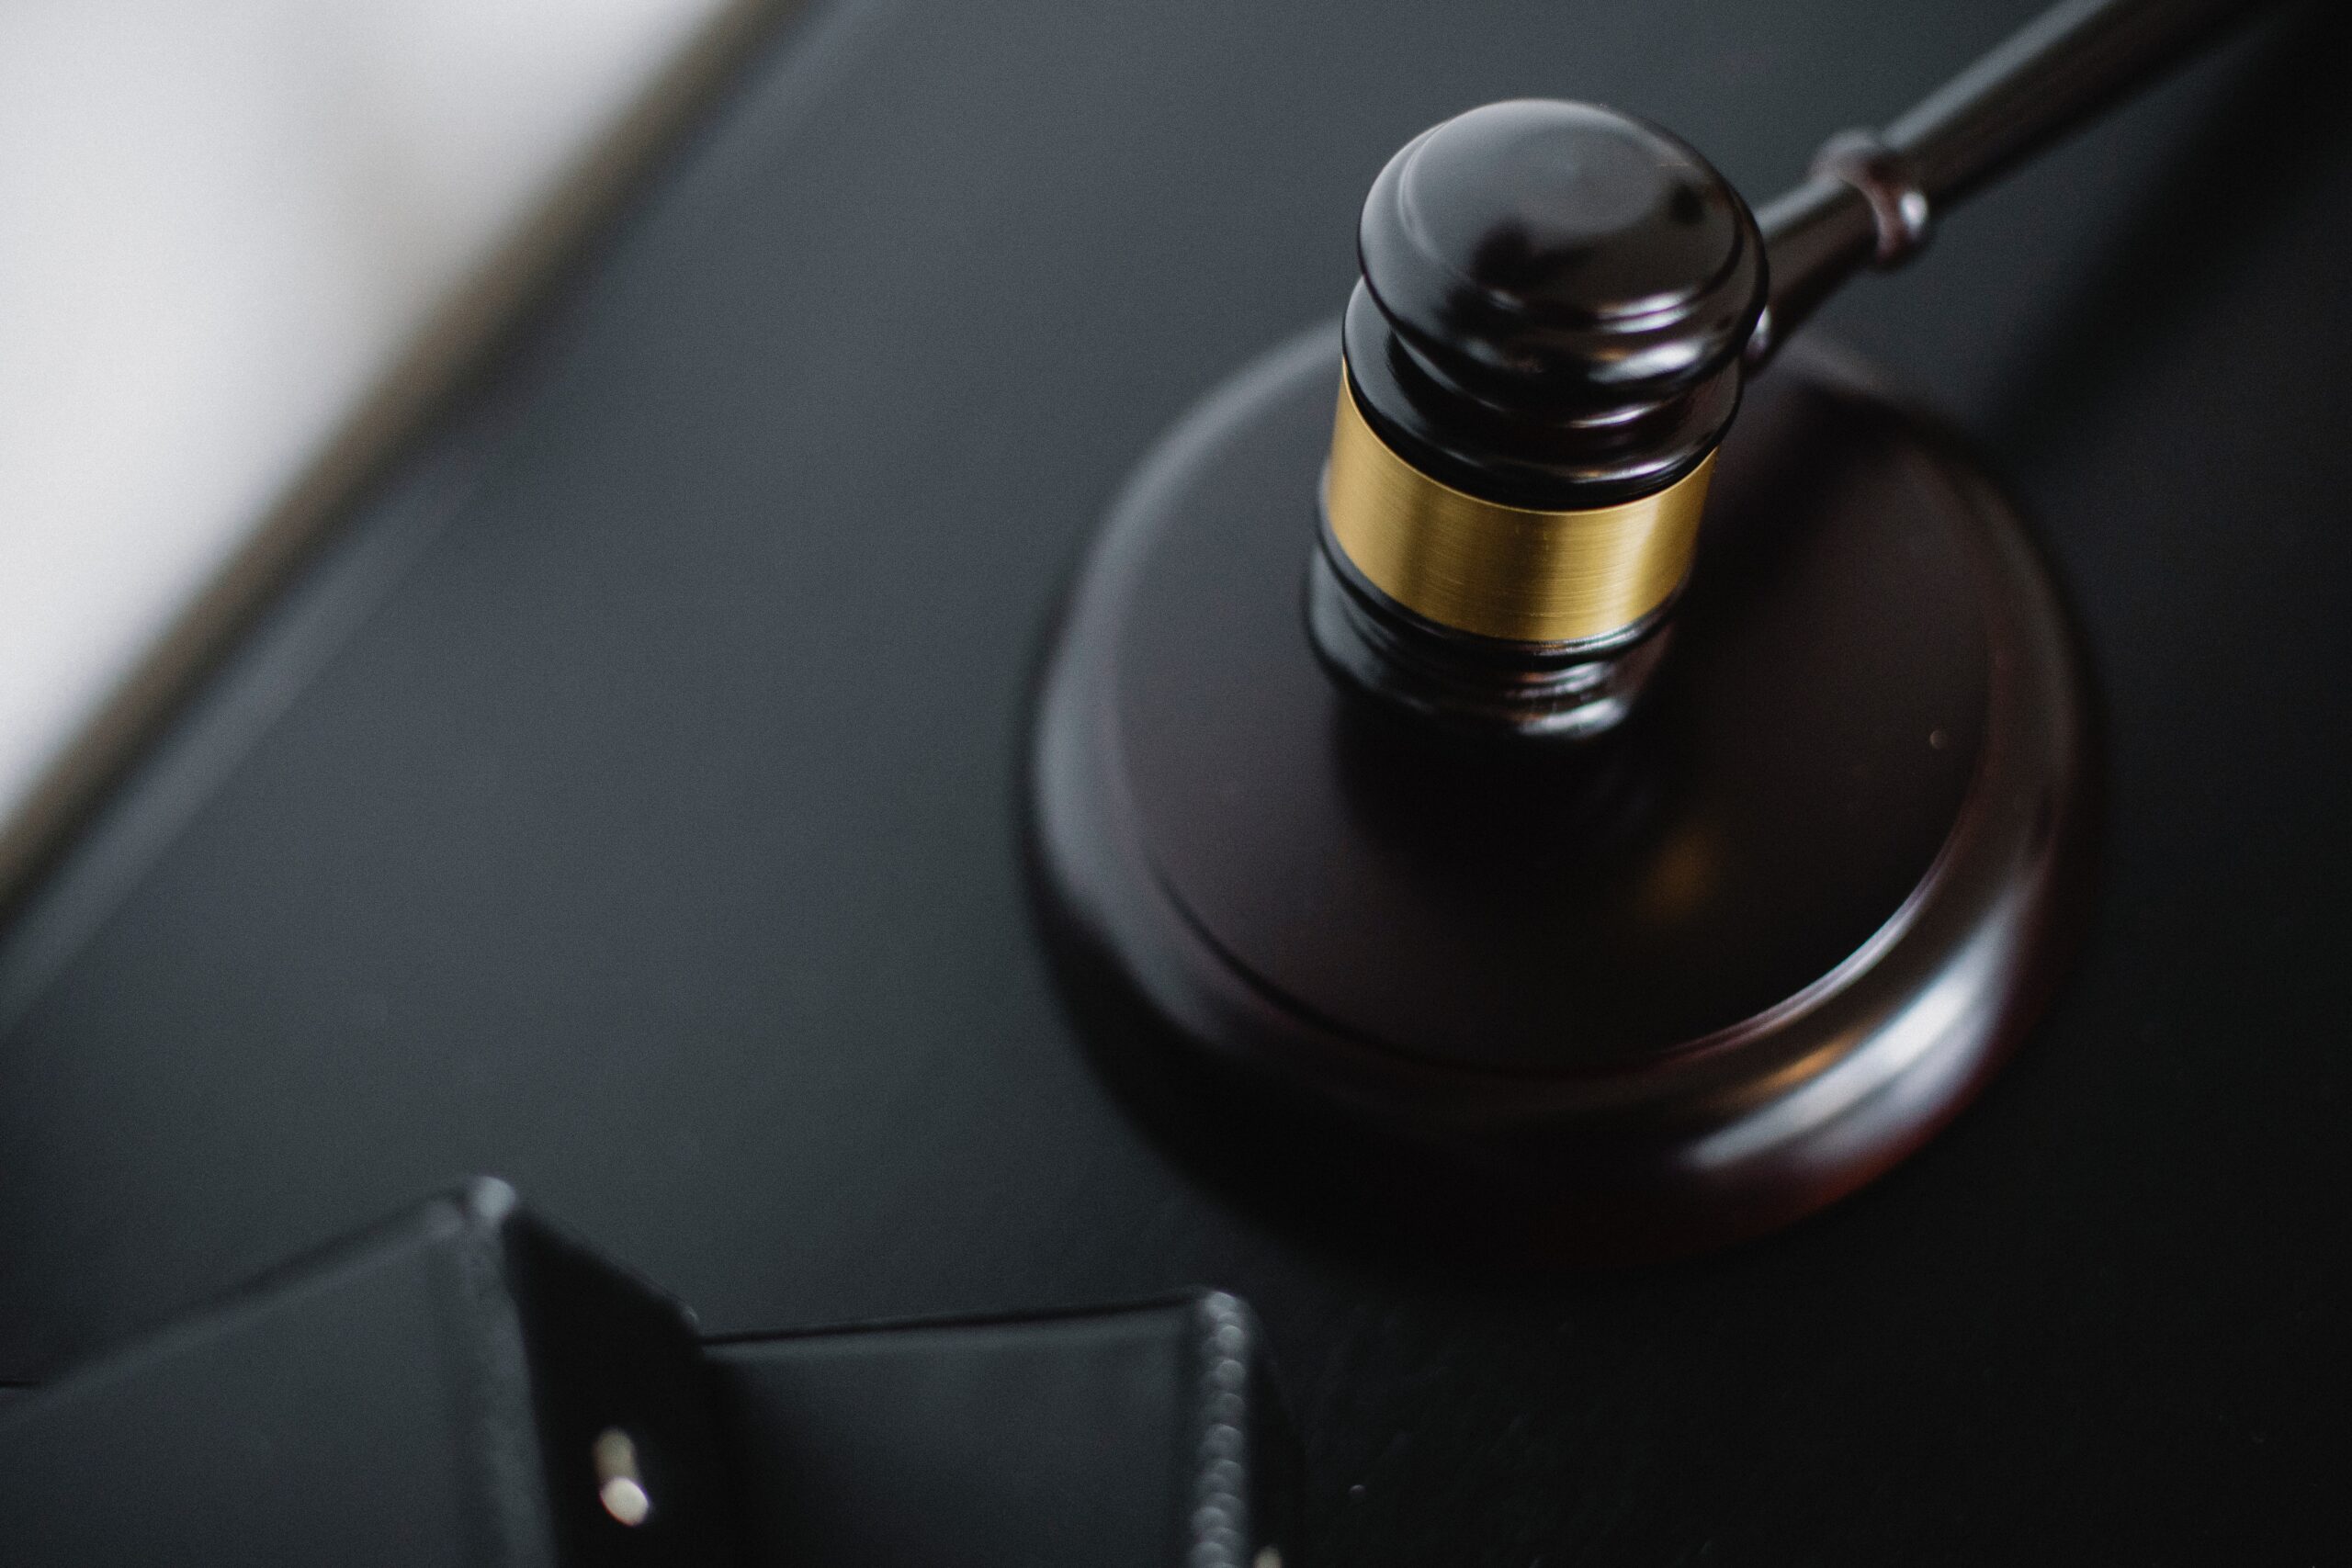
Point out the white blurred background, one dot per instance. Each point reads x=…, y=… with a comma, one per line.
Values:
x=220, y=225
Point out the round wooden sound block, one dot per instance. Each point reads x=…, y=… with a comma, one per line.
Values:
x=1648, y=993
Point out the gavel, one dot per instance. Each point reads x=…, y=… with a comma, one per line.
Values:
x=1559, y=309
x=1541, y=844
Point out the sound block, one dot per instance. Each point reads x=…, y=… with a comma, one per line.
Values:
x=1625, y=998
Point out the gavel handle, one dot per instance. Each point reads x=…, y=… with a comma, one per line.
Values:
x=1871, y=196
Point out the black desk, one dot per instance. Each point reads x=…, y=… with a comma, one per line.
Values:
x=561, y=822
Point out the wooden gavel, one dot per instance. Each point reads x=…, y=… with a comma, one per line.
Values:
x=1559, y=307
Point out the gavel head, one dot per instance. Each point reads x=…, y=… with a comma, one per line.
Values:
x=1540, y=361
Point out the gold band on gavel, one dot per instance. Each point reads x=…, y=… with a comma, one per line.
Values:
x=1504, y=571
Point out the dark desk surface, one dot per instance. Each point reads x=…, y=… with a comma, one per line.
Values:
x=561, y=822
